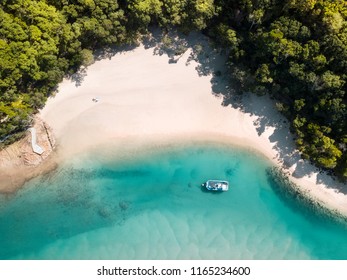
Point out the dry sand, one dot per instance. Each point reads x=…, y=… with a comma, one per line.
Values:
x=145, y=99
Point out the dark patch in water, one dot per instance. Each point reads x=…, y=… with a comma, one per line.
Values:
x=193, y=174
x=115, y=174
x=290, y=194
x=124, y=205
x=106, y=212
x=46, y=212
x=85, y=174
x=230, y=171
x=318, y=216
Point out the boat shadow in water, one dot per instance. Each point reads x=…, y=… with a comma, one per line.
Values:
x=204, y=190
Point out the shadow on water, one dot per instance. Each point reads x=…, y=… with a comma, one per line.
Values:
x=44, y=213
x=204, y=190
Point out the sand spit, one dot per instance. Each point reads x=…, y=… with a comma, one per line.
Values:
x=152, y=94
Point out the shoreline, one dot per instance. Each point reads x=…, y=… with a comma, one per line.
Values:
x=144, y=98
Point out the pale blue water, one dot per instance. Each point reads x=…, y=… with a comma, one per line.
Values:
x=153, y=207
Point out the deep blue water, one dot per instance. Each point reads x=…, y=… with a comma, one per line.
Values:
x=153, y=207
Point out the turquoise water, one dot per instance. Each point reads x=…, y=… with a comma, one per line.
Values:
x=153, y=207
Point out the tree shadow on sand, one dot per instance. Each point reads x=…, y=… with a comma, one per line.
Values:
x=101, y=54
x=79, y=76
x=109, y=52
x=191, y=48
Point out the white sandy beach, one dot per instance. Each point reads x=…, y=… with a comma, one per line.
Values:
x=144, y=98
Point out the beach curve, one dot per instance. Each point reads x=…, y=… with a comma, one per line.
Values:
x=141, y=97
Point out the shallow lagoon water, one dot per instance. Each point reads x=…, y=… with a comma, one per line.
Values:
x=153, y=207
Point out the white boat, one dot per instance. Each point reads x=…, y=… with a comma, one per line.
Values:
x=217, y=185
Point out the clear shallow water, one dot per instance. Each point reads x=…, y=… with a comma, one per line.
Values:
x=153, y=207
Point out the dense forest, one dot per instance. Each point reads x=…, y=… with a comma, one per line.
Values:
x=293, y=50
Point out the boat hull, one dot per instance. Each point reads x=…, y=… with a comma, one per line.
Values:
x=217, y=185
